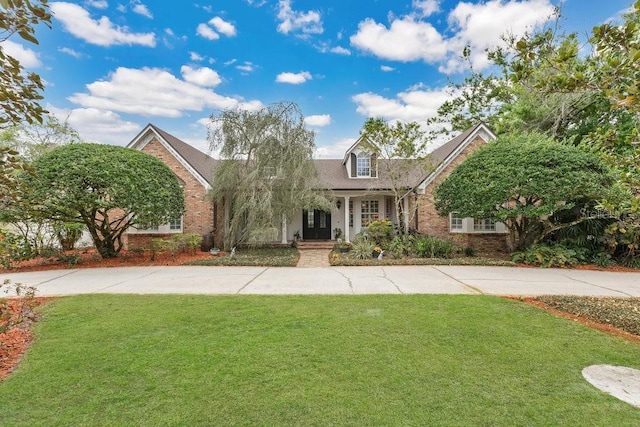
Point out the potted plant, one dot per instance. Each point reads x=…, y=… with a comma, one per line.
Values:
x=337, y=232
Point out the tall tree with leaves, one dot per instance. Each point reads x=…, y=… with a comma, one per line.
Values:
x=19, y=91
x=401, y=152
x=106, y=188
x=266, y=174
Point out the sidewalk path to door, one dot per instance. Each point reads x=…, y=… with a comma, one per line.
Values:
x=331, y=280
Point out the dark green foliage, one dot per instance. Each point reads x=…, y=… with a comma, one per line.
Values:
x=433, y=247
x=549, y=256
x=402, y=245
x=622, y=313
x=381, y=232
x=106, y=188
x=523, y=180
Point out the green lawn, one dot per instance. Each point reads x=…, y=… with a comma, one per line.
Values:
x=300, y=360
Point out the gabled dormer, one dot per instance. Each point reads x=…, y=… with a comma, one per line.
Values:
x=360, y=160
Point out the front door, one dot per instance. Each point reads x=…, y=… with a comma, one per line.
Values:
x=316, y=225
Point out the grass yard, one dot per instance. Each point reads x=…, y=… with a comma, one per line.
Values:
x=299, y=360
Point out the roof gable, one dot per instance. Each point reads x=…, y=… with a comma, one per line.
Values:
x=447, y=153
x=199, y=164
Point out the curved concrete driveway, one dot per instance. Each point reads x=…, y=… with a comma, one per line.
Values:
x=333, y=280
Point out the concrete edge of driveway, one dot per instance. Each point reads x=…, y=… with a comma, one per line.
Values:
x=331, y=280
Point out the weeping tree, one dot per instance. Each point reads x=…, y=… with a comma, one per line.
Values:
x=266, y=174
x=106, y=188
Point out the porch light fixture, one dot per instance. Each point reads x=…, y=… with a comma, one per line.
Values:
x=339, y=204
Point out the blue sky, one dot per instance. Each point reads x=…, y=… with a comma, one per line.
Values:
x=111, y=67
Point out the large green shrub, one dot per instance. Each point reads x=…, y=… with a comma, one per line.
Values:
x=13, y=247
x=549, y=256
x=362, y=247
x=432, y=247
x=381, y=232
x=402, y=245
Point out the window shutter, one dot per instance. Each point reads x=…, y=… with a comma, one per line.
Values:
x=374, y=165
x=354, y=162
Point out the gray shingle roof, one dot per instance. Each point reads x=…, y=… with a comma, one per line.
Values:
x=332, y=173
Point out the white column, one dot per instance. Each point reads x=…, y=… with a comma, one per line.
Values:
x=284, y=230
x=346, y=219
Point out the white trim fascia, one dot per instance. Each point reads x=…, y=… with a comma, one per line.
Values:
x=145, y=137
x=486, y=135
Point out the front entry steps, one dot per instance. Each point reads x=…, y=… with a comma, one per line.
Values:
x=315, y=244
x=314, y=253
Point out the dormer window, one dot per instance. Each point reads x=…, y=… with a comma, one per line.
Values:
x=363, y=167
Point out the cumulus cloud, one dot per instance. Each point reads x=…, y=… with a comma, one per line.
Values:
x=205, y=77
x=94, y=125
x=214, y=27
x=27, y=57
x=405, y=40
x=479, y=26
x=293, y=78
x=412, y=105
x=319, y=120
x=154, y=92
x=246, y=67
x=386, y=68
x=102, y=32
x=302, y=23
x=195, y=56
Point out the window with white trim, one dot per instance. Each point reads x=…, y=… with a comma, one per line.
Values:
x=455, y=222
x=363, y=164
x=173, y=226
x=484, y=224
x=369, y=212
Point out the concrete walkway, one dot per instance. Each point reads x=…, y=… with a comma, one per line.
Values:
x=332, y=280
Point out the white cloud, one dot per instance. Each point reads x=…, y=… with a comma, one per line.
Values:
x=247, y=67
x=426, y=7
x=27, y=57
x=411, y=105
x=195, y=56
x=151, y=92
x=95, y=125
x=294, y=78
x=230, y=62
x=205, y=77
x=102, y=32
x=292, y=21
x=478, y=25
x=207, y=32
x=481, y=26
x=143, y=10
x=223, y=26
x=405, y=40
x=336, y=150
x=386, y=68
x=98, y=4
x=70, y=52
x=169, y=32
x=220, y=26
x=319, y=120
x=340, y=50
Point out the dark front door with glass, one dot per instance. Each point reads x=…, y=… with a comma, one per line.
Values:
x=316, y=225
